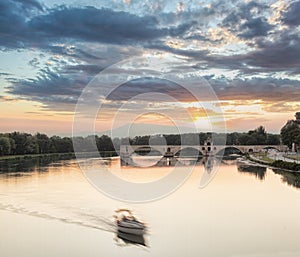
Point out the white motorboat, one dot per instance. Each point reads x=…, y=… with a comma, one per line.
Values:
x=127, y=223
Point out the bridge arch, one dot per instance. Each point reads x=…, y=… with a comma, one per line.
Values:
x=229, y=150
x=271, y=148
x=146, y=150
x=189, y=152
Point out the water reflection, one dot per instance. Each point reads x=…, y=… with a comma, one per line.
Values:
x=160, y=161
x=218, y=214
x=257, y=171
x=19, y=167
x=290, y=178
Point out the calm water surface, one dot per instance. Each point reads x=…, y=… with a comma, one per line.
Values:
x=49, y=209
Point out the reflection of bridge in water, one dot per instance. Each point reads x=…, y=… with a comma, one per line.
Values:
x=161, y=161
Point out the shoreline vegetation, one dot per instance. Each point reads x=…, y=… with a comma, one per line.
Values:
x=70, y=155
x=292, y=157
x=262, y=158
x=28, y=156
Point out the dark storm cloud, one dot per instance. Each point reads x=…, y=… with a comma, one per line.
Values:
x=291, y=15
x=50, y=86
x=279, y=54
x=283, y=52
x=13, y=15
x=85, y=24
x=266, y=89
x=248, y=21
x=255, y=27
x=11, y=22
x=151, y=85
x=93, y=24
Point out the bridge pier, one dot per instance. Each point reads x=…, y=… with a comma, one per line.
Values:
x=169, y=153
x=208, y=149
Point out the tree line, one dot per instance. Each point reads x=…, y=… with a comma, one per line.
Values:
x=17, y=143
x=259, y=136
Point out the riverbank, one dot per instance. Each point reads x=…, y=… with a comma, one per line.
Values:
x=292, y=157
x=263, y=158
x=69, y=155
x=29, y=156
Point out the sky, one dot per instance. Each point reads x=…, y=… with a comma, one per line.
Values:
x=220, y=65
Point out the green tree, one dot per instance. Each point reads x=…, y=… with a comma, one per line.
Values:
x=24, y=143
x=173, y=139
x=290, y=133
x=104, y=143
x=62, y=145
x=247, y=139
x=43, y=142
x=259, y=136
x=232, y=138
x=5, y=146
x=273, y=139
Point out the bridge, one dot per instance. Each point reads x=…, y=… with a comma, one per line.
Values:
x=205, y=150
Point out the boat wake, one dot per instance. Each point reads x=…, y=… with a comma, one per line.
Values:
x=81, y=218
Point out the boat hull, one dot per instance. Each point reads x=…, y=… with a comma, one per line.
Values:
x=132, y=239
x=132, y=231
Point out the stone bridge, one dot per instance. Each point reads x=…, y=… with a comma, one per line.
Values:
x=206, y=149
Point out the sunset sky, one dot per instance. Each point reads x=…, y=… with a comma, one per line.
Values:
x=247, y=52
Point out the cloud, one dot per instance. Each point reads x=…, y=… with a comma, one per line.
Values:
x=50, y=88
x=5, y=74
x=151, y=87
x=291, y=15
x=193, y=54
x=85, y=24
x=247, y=20
x=266, y=89
x=90, y=69
x=13, y=15
x=255, y=28
x=283, y=51
x=280, y=107
x=7, y=99
x=279, y=53
x=29, y=4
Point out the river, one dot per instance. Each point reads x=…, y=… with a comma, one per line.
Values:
x=50, y=209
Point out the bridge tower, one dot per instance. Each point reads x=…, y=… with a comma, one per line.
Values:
x=208, y=147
